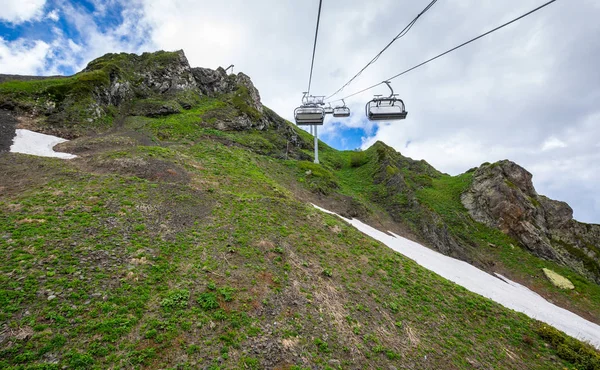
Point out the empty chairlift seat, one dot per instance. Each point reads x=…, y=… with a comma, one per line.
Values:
x=328, y=110
x=341, y=110
x=309, y=115
x=385, y=109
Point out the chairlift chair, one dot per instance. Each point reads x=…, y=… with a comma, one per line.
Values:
x=309, y=115
x=341, y=111
x=385, y=108
x=328, y=109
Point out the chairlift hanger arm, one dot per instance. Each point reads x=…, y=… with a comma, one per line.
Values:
x=390, y=87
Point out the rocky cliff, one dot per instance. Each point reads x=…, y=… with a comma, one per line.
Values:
x=502, y=196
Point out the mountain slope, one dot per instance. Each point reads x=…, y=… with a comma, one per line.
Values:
x=181, y=238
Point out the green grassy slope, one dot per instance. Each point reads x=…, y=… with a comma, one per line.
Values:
x=224, y=269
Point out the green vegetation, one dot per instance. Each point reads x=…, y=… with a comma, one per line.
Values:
x=26, y=88
x=54, y=89
x=241, y=100
x=569, y=349
x=317, y=178
x=358, y=159
x=208, y=264
x=589, y=263
x=176, y=299
x=189, y=125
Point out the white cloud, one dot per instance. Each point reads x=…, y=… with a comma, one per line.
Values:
x=19, y=11
x=76, y=48
x=29, y=56
x=129, y=36
x=53, y=15
x=553, y=143
x=23, y=57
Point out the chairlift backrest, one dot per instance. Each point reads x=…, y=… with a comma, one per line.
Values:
x=309, y=100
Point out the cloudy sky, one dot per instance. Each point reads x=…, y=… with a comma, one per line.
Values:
x=529, y=93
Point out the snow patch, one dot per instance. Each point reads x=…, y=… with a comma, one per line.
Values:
x=499, y=289
x=34, y=143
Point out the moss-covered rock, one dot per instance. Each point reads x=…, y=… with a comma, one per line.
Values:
x=558, y=280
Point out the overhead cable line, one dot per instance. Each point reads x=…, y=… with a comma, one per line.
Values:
x=314, y=48
x=451, y=50
x=401, y=34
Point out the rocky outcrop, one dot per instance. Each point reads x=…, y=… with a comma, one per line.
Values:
x=216, y=82
x=252, y=92
x=213, y=82
x=140, y=76
x=502, y=196
x=172, y=77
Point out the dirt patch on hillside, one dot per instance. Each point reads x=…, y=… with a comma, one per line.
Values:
x=21, y=172
x=173, y=208
x=99, y=143
x=149, y=169
x=8, y=125
x=91, y=150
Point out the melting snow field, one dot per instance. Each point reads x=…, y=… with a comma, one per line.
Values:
x=499, y=289
x=29, y=142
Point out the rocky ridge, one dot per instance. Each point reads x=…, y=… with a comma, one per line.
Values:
x=151, y=84
x=502, y=196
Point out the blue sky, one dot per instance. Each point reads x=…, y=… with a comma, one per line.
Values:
x=47, y=37
x=346, y=138
x=529, y=93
